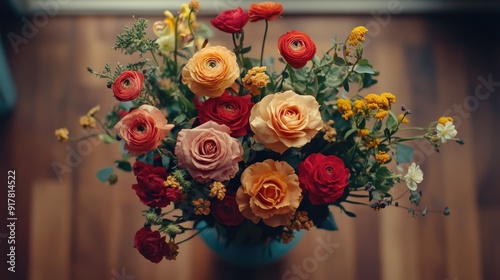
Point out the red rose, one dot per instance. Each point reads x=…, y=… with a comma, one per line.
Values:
x=128, y=85
x=139, y=166
x=323, y=178
x=226, y=211
x=230, y=21
x=150, y=186
x=265, y=11
x=230, y=110
x=174, y=195
x=150, y=244
x=296, y=48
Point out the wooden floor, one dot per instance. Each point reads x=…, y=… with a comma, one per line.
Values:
x=76, y=228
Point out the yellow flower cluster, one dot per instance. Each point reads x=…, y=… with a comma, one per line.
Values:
x=381, y=102
x=300, y=221
x=329, y=130
x=359, y=106
x=255, y=79
x=443, y=120
x=172, y=183
x=217, y=189
x=372, y=143
x=62, y=134
x=363, y=132
x=201, y=206
x=287, y=237
x=357, y=35
x=88, y=121
x=382, y=157
x=345, y=108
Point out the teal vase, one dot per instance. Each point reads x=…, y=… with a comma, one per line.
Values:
x=246, y=255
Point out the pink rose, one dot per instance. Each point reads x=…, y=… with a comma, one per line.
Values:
x=143, y=129
x=208, y=152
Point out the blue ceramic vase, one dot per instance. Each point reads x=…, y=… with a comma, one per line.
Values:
x=246, y=255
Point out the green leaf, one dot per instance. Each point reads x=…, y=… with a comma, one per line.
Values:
x=328, y=223
x=106, y=138
x=124, y=165
x=246, y=152
x=377, y=126
x=404, y=153
x=446, y=211
x=180, y=118
x=392, y=121
x=346, y=84
x=363, y=69
x=165, y=161
x=246, y=50
x=351, y=131
x=105, y=173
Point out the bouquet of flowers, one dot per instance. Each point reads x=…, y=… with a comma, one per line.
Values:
x=214, y=135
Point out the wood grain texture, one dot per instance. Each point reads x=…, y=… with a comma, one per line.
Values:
x=432, y=63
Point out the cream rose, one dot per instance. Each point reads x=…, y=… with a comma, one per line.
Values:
x=208, y=152
x=269, y=191
x=210, y=71
x=283, y=120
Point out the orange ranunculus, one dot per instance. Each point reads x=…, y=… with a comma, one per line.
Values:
x=269, y=191
x=296, y=48
x=210, y=71
x=143, y=129
x=128, y=85
x=265, y=11
x=283, y=120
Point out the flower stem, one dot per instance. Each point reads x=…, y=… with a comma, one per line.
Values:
x=191, y=237
x=175, y=44
x=191, y=30
x=263, y=43
x=103, y=127
x=355, y=202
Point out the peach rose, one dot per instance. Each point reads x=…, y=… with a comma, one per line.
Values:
x=269, y=191
x=210, y=71
x=283, y=120
x=208, y=152
x=143, y=129
x=265, y=11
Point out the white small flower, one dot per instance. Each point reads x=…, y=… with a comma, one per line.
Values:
x=446, y=132
x=414, y=176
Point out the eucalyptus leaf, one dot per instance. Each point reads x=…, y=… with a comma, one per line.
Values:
x=392, y=121
x=106, y=138
x=123, y=165
x=363, y=69
x=104, y=174
x=404, y=153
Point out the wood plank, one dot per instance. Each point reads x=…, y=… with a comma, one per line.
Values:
x=50, y=231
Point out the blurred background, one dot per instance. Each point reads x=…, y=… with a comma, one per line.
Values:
x=437, y=57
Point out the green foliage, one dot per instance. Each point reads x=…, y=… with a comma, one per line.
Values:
x=134, y=39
